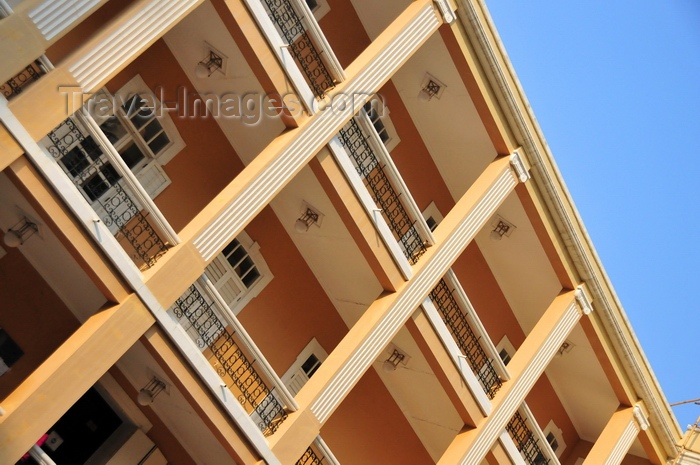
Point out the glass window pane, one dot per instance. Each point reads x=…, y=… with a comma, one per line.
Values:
x=159, y=144
x=75, y=162
x=95, y=186
x=113, y=129
x=131, y=155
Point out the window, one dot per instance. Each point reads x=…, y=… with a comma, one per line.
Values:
x=141, y=131
x=378, y=114
x=432, y=216
x=239, y=272
x=505, y=350
x=10, y=352
x=555, y=438
x=304, y=367
x=319, y=8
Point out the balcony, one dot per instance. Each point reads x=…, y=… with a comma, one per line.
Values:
x=317, y=453
x=527, y=441
x=104, y=181
x=376, y=177
x=455, y=318
x=208, y=323
x=31, y=73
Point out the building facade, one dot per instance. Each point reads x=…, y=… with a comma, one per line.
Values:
x=296, y=232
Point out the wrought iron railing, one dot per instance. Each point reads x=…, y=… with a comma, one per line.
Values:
x=310, y=457
x=525, y=441
x=383, y=192
x=306, y=53
x=456, y=320
x=86, y=164
x=211, y=333
x=31, y=73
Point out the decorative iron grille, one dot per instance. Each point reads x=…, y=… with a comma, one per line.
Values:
x=305, y=53
x=377, y=182
x=456, y=320
x=85, y=163
x=209, y=331
x=13, y=87
x=525, y=441
x=310, y=458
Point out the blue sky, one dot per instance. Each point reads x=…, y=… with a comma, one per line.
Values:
x=615, y=86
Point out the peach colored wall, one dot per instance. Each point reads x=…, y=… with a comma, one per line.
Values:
x=412, y=158
x=32, y=315
x=497, y=317
x=545, y=406
x=293, y=308
x=207, y=163
x=370, y=417
x=86, y=29
x=486, y=296
x=344, y=31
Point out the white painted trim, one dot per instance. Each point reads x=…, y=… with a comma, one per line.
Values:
x=128, y=176
x=380, y=150
x=137, y=85
x=539, y=435
x=411, y=296
x=431, y=211
x=342, y=158
x=511, y=449
x=330, y=459
x=317, y=34
x=227, y=314
x=312, y=348
x=236, y=212
x=477, y=326
x=52, y=17
x=98, y=231
x=456, y=355
x=121, y=44
x=553, y=429
x=280, y=49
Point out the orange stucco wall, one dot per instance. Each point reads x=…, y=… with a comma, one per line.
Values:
x=344, y=31
x=494, y=312
x=370, y=417
x=293, y=308
x=287, y=314
x=207, y=163
x=33, y=316
x=412, y=158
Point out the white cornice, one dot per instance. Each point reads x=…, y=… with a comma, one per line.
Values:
x=475, y=18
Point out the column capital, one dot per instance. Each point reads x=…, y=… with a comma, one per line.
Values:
x=583, y=300
x=447, y=11
x=519, y=165
x=640, y=417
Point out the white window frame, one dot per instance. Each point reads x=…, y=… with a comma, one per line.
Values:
x=555, y=431
x=295, y=377
x=382, y=115
x=322, y=8
x=243, y=293
x=137, y=85
x=432, y=211
x=505, y=344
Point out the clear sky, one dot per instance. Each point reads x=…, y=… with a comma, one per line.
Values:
x=615, y=86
